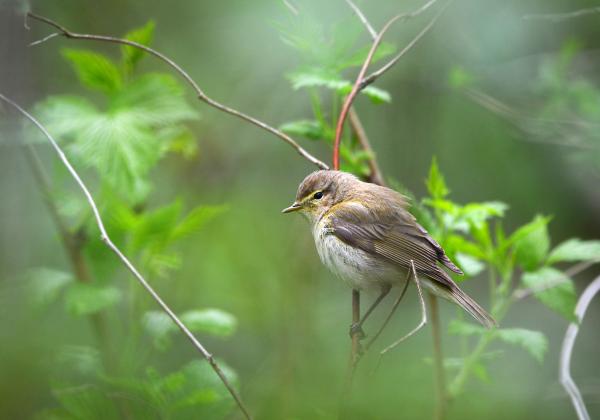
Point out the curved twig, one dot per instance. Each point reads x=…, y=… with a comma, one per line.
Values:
x=567, y=350
x=199, y=92
x=106, y=239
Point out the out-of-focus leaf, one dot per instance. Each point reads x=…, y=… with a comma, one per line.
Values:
x=159, y=326
x=436, y=184
x=533, y=341
x=64, y=115
x=142, y=35
x=195, y=220
x=312, y=130
x=212, y=321
x=459, y=78
x=45, y=284
x=469, y=265
x=556, y=290
x=94, y=70
x=89, y=298
x=82, y=359
x=477, y=213
x=531, y=243
x=575, y=250
x=457, y=327
x=154, y=228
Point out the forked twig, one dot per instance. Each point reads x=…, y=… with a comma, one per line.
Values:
x=567, y=350
x=107, y=241
x=199, y=92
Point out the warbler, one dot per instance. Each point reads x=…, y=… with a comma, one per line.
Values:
x=365, y=235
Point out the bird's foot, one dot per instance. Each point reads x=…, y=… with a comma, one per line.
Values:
x=356, y=329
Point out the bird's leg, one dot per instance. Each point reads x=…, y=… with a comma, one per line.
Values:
x=423, y=314
x=394, y=307
x=356, y=328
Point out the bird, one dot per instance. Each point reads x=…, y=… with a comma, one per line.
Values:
x=366, y=236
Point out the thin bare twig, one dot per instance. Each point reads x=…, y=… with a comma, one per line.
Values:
x=199, y=92
x=363, y=19
x=376, y=176
x=377, y=73
x=567, y=350
x=106, y=239
x=557, y=17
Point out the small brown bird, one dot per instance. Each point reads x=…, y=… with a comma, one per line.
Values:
x=366, y=237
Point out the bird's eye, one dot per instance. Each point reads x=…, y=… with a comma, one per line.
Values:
x=318, y=195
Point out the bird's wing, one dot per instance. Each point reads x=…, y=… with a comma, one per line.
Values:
x=396, y=237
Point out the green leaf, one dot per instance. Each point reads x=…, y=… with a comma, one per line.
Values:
x=195, y=220
x=212, y=321
x=65, y=115
x=533, y=341
x=457, y=327
x=575, y=250
x=142, y=35
x=459, y=78
x=312, y=130
x=153, y=228
x=88, y=298
x=436, y=185
x=94, y=70
x=469, y=265
x=82, y=359
x=477, y=214
x=531, y=243
x=318, y=78
x=556, y=290
x=159, y=326
x=45, y=284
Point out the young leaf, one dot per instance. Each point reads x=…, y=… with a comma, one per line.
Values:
x=87, y=298
x=65, y=115
x=575, y=250
x=212, y=321
x=84, y=360
x=554, y=289
x=312, y=130
x=436, y=185
x=531, y=243
x=533, y=341
x=469, y=265
x=45, y=284
x=457, y=327
x=94, y=70
x=195, y=220
x=142, y=35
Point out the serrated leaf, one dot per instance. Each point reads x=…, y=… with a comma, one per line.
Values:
x=575, y=250
x=87, y=298
x=469, y=265
x=554, y=289
x=212, y=321
x=531, y=243
x=436, y=184
x=94, y=70
x=45, y=284
x=533, y=341
x=318, y=78
x=154, y=227
x=312, y=130
x=142, y=35
x=64, y=115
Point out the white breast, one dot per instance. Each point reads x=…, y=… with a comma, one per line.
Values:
x=354, y=266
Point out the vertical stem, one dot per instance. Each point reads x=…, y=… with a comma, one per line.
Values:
x=355, y=320
x=438, y=360
x=376, y=176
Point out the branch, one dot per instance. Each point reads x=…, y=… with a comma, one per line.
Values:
x=567, y=350
x=557, y=17
x=363, y=19
x=199, y=92
x=362, y=81
x=106, y=239
x=376, y=176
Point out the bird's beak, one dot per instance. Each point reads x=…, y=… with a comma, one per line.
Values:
x=294, y=207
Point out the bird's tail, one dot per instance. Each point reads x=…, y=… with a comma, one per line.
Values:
x=472, y=307
x=454, y=294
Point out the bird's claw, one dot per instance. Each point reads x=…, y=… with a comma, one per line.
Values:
x=356, y=329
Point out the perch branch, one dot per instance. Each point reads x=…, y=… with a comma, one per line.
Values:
x=199, y=92
x=567, y=350
x=106, y=239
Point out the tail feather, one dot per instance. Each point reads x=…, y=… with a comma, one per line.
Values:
x=473, y=308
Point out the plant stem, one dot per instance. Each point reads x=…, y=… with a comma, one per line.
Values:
x=438, y=360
